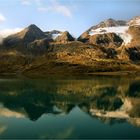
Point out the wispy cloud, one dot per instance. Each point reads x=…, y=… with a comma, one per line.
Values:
x=26, y=2
x=54, y=6
x=6, y=32
x=38, y=2
x=31, y=2
x=2, y=18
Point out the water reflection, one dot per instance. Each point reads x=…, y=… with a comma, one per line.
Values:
x=110, y=100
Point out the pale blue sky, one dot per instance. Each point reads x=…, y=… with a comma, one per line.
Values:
x=76, y=16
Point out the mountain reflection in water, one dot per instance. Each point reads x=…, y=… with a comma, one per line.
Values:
x=111, y=101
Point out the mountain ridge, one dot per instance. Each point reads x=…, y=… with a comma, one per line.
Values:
x=110, y=46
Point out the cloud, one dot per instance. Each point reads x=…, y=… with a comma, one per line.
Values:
x=31, y=2
x=54, y=6
x=26, y=2
x=38, y=2
x=6, y=32
x=2, y=18
x=57, y=8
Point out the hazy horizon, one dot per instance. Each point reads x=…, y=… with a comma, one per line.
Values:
x=75, y=16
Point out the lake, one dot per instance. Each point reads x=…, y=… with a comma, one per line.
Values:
x=83, y=108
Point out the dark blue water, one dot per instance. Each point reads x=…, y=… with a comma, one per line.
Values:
x=98, y=107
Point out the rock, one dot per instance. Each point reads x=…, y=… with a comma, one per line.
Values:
x=38, y=47
x=109, y=40
x=84, y=37
x=134, y=53
x=134, y=31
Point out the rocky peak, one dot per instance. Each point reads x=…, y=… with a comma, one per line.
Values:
x=26, y=36
x=134, y=21
x=32, y=32
x=109, y=23
x=32, y=26
x=65, y=37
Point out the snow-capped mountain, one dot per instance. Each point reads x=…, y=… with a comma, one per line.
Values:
x=121, y=31
x=119, y=27
x=109, y=23
x=59, y=36
x=134, y=21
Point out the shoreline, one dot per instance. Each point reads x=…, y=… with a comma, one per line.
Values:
x=70, y=75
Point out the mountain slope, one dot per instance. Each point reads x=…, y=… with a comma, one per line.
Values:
x=64, y=37
x=110, y=46
x=119, y=27
x=24, y=37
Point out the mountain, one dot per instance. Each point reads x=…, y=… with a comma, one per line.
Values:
x=59, y=36
x=53, y=34
x=109, y=23
x=34, y=40
x=110, y=46
x=121, y=35
x=119, y=27
x=134, y=21
x=64, y=37
x=108, y=39
x=24, y=37
x=107, y=26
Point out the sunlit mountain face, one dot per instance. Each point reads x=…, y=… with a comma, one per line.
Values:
x=102, y=102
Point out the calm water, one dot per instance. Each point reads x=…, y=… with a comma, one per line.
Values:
x=100, y=107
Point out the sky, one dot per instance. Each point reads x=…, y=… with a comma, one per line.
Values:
x=76, y=16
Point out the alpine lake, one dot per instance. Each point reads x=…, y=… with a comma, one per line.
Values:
x=97, y=107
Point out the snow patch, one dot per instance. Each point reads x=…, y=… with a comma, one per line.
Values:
x=54, y=36
x=119, y=30
x=126, y=38
x=119, y=113
x=111, y=114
